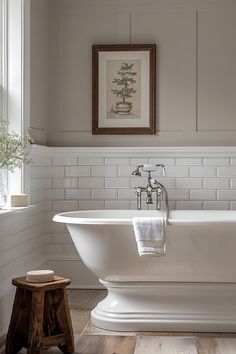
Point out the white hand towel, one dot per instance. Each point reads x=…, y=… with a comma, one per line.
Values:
x=150, y=235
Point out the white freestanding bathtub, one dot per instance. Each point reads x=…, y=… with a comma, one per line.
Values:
x=191, y=288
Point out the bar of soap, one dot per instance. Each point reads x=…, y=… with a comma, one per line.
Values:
x=18, y=200
x=40, y=276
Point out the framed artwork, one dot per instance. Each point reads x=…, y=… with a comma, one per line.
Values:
x=124, y=89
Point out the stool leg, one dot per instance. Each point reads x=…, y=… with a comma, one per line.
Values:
x=35, y=336
x=64, y=319
x=13, y=344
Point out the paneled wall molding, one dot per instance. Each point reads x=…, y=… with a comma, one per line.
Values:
x=38, y=67
x=166, y=3
x=186, y=151
x=196, y=53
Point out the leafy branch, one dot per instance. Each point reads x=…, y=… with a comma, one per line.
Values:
x=13, y=147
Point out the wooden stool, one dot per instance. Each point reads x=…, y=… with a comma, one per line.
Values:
x=40, y=317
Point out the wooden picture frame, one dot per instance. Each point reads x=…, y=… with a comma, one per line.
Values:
x=124, y=89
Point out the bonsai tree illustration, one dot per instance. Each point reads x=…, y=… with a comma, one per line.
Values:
x=124, y=87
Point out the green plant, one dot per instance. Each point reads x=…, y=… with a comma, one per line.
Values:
x=13, y=148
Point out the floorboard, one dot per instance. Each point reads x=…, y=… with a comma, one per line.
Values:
x=211, y=345
x=92, y=340
x=165, y=345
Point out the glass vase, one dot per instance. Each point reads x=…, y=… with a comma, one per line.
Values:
x=3, y=189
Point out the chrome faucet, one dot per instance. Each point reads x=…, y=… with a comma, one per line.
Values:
x=153, y=186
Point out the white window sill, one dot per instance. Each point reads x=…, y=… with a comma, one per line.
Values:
x=8, y=212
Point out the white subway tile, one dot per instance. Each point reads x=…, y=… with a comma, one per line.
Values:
x=40, y=160
x=70, y=249
x=38, y=172
x=91, y=182
x=64, y=160
x=61, y=238
x=55, y=171
x=227, y=171
x=189, y=161
x=65, y=182
x=104, y=194
x=202, y=171
x=188, y=205
x=216, y=205
x=48, y=239
x=91, y=161
x=217, y=183
x=178, y=194
x=64, y=205
x=11, y=255
x=117, y=182
x=216, y=161
x=91, y=205
x=126, y=194
x=177, y=171
x=55, y=194
x=15, y=240
x=134, y=205
x=38, y=196
x=227, y=195
x=54, y=249
x=233, y=206
x=139, y=161
x=104, y=171
x=117, y=205
x=163, y=160
x=37, y=184
x=77, y=194
x=117, y=161
x=189, y=182
x=138, y=181
x=233, y=183
x=126, y=171
x=233, y=161
x=202, y=195
x=34, y=244
x=77, y=171
x=56, y=227
x=167, y=182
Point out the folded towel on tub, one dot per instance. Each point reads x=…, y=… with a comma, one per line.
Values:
x=150, y=235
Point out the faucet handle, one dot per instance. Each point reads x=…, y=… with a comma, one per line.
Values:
x=138, y=190
x=163, y=168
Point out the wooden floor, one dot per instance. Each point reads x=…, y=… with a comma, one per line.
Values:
x=92, y=340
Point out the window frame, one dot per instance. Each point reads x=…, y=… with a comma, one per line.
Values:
x=15, y=78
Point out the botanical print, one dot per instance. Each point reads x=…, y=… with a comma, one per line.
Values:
x=123, y=89
x=123, y=96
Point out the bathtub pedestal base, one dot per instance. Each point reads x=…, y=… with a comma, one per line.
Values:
x=159, y=306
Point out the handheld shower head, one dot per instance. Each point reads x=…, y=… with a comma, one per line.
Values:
x=136, y=172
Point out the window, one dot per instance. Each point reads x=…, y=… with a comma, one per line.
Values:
x=15, y=68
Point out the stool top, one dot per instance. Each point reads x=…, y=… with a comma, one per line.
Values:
x=58, y=282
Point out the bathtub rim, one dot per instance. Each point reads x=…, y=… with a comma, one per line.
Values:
x=215, y=217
